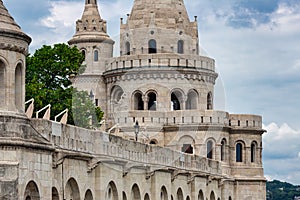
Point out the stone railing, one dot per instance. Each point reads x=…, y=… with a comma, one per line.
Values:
x=98, y=143
x=160, y=60
x=185, y=117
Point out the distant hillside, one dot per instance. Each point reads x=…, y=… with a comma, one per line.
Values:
x=277, y=190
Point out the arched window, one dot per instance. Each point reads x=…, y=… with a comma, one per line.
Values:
x=96, y=55
x=72, y=190
x=146, y=197
x=176, y=99
x=124, y=196
x=138, y=101
x=187, y=148
x=180, y=47
x=179, y=194
x=83, y=53
x=239, y=152
x=163, y=193
x=153, y=141
x=88, y=195
x=135, y=193
x=253, y=151
x=111, y=191
x=212, y=196
x=200, y=195
x=192, y=100
x=152, y=101
x=230, y=198
x=116, y=94
x=2, y=84
x=18, y=87
x=223, y=149
x=32, y=191
x=209, y=101
x=55, y=195
x=209, y=149
x=152, y=46
x=127, y=46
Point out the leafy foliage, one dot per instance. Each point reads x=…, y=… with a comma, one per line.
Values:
x=277, y=190
x=47, y=81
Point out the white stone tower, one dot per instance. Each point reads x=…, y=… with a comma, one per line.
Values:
x=92, y=40
x=13, y=49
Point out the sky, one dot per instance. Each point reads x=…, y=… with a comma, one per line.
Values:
x=256, y=45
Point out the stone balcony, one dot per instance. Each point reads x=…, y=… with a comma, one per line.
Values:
x=160, y=60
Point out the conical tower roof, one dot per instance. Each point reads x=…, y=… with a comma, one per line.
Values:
x=91, y=27
x=9, y=26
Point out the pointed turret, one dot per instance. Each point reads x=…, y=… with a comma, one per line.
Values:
x=165, y=22
x=92, y=39
x=13, y=49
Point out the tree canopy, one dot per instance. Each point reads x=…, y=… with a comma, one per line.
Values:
x=47, y=81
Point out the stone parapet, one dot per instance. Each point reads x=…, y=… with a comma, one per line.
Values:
x=245, y=121
x=99, y=144
x=160, y=60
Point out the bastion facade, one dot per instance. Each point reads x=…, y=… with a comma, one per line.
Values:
x=161, y=138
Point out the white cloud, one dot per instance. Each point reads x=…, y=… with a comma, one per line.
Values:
x=282, y=153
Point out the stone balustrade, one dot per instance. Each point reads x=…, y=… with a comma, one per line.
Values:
x=160, y=60
x=101, y=144
x=182, y=117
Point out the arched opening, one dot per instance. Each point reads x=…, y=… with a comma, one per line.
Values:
x=239, y=152
x=135, y=192
x=209, y=101
x=163, y=193
x=223, y=149
x=212, y=196
x=138, y=101
x=187, y=198
x=152, y=101
x=96, y=55
x=152, y=46
x=124, y=197
x=187, y=148
x=72, y=190
x=88, y=195
x=180, y=47
x=18, y=87
x=116, y=94
x=200, y=195
x=153, y=141
x=146, y=197
x=2, y=84
x=83, y=53
x=253, y=151
x=209, y=149
x=229, y=198
x=55, y=195
x=111, y=192
x=127, y=50
x=176, y=99
x=179, y=194
x=31, y=191
x=192, y=100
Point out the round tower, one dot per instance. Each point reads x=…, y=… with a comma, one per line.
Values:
x=160, y=80
x=13, y=49
x=92, y=39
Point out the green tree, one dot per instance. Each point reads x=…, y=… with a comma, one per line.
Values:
x=47, y=81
